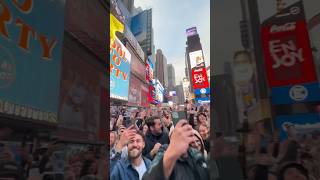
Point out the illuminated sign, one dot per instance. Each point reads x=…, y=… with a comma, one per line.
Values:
x=191, y=31
x=120, y=59
x=196, y=59
x=31, y=41
x=199, y=78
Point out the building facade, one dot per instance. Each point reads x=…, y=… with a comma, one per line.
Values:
x=171, y=77
x=161, y=68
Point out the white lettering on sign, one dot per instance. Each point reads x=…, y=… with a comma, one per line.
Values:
x=199, y=78
x=26, y=112
x=282, y=28
x=289, y=53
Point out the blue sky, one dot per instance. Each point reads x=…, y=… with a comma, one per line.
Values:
x=170, y=20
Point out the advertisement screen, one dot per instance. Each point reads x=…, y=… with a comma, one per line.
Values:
x=139, y=25
x=172, y=93
x=191, y=31
x=30, y=63
x=149, y=71
x=196, y=59
x=199, y=78
x=152, y=94
x=286, y=46
x=80, y=93
x=298, y=126
x=134, y=91
x=120, y=59
x=136, y=66
x=144, y=95
x=159, y=92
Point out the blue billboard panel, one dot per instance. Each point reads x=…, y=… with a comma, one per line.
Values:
x=139, y=24
x=30, y=56
x=120, y=59
x=298, y=126
x=294, y=94
x=203, y=100
x=202, y=91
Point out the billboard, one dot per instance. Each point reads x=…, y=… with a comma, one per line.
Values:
x=159, y=92
x=172, y=93
x=196, y=59
x=30, y=58
x=191, y=31
x=286, y=46
x=199, y=78
x=309, y=92
x=80, y=93
x=298, y=126
x=139, y=25
x=149, y=70
x=134, y=91
x=137, y=66
x=120, y=59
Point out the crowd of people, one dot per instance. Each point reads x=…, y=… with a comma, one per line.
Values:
x=50, y=159
x=159, y=144
x=273, y=158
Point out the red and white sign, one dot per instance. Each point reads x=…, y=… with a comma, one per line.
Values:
x=286, y=46
x=200, y=78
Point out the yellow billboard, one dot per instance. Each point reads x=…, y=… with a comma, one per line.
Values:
x=115, y=25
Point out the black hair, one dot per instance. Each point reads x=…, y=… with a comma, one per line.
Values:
x=150, y=121
x=297, y=166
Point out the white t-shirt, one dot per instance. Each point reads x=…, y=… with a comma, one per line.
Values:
x=141, y=169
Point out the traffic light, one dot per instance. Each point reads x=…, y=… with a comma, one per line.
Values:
x=244, y=30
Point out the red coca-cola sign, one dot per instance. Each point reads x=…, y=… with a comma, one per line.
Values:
x=199, y=78
x=286, y=46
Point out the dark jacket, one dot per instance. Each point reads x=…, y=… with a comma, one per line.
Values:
x=193, y=168
x=123, y=170
x=151, y=140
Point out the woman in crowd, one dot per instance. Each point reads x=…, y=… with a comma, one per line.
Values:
x=198, y=144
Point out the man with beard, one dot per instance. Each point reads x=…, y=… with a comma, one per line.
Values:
x=135, y=165
x=179, y=160
x=155, y=137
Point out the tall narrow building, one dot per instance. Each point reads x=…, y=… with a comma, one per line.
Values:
x=171, y=77
x=161, y=68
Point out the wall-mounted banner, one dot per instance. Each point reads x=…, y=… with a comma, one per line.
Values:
x=286, y=46
x=120, y=59
x=295, y=94
x=199, y=78
x=31, y=38
x=298, y=126
x=149, y=71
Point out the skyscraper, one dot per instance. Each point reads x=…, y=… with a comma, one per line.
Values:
x=171, y=77
x=129, y=5
x=161, y=68
x=193, y=44
x=180, y=93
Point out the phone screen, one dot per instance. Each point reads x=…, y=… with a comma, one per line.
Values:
x=139, y=123
x=177, y=116
x=126, y=121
